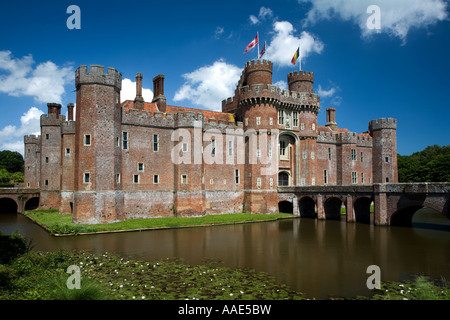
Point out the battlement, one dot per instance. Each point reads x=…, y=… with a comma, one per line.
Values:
x=32, y=139
x=96, y=75
x=301, y=81
x=258, y=65
x=52, y=119
x=68, y=127
x=382, y=123
x=300, y=76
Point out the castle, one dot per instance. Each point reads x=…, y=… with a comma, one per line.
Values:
x=141, y=159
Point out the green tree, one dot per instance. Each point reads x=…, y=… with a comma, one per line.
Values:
x=5, y=176
x=12, y=161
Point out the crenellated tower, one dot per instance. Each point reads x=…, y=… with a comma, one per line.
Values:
x=384, y=150
x=32, y=161
x=97, y=145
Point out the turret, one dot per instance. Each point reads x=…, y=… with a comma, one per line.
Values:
x=257, y=72
x=301, y=81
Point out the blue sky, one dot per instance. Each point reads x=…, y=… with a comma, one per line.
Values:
x=399, y=70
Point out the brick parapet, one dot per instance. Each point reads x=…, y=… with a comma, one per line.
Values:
x=32, y=139
x=52, y=119
x=96, y=75
x=68, y=127
x=383, y=123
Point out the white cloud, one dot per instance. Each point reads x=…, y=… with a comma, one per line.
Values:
x=325, y=93
x=11, y=137
x=218, y=32
x=209, y=85
x=281, y=84
x=329, y=95
x=397, y=17
x=45, y=83
x=128, y=91
x=264, y=13
x=284, y=44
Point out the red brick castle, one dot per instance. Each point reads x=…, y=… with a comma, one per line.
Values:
x=141, y=159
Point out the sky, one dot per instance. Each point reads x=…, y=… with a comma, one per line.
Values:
x=371, y=59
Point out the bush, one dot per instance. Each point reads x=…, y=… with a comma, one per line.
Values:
x=13, y=246
x=89, y=290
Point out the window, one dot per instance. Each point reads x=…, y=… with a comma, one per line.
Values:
x=236, y=175
x=329, y=153
x=302, y=181
x=46, y=182
x=313, y=181
x=246, y=121
x=302, y=126
x=224, y=181
x=386, y=159
x=87, y=177
x=67, y=151
x=155, y=143
x=312, y=155
x=184, y=178
x=118, y=178
x=304, y=155
x=271, y=121
x=362, y=177
x=353, y=154
x=387, y=180
x=283, y=179
x=230, y=148
x=295, y=119
x=325, y=176
x=313, y=127
x=46, y=159
x=46, y=136
x=258, y=183
x=140, y=167
x=135, y=178
x=271, y=183
x=213, y=146
x=155, y=179
x=354, y=178
x=118, y=142
x=283, y=144
x=185, y=147
x=87, y=139
x=211, y=181
x=258, y=153
x=362, y=156
x=125, y=140
x=258, y=121
x=280, y=117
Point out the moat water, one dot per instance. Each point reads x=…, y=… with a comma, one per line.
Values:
x=317, y=257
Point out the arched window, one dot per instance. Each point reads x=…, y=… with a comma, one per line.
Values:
x=283, y=179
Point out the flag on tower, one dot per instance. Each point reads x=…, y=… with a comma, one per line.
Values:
x=295, y=57
x=263, y=50
x=252, y=44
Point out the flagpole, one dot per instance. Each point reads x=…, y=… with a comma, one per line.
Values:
x=257, y=53
x=300, y=59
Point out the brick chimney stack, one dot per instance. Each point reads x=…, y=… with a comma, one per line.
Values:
x=70, y=112
x=331, y=119
x=54, y=108
x=139, y=100
x=158, y=92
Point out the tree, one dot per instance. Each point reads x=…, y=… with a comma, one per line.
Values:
x=12, y=161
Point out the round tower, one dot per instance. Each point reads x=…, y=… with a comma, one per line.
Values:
x=301, y=81
x=257, y=72
x=98, y=155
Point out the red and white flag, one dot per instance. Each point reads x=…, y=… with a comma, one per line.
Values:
x=252, y=44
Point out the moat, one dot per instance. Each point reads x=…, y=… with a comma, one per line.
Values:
x=320, y=258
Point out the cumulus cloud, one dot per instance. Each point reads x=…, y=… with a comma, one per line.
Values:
x=128, y=91
x=45, y=83
x=397, y=17
x=11, y=137
x=330, y=95
x=284, y=44
x=264, y=13
x=209, y=85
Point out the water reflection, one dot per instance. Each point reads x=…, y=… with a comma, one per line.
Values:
x=319, y=258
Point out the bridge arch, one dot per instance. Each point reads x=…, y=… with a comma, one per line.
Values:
x=32, y=203
x=332, y=208
x=404, y=216
x=285, y=207
x=362, y=209
x=307, y=207
x=8, y=205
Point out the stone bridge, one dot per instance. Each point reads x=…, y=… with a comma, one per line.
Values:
x=393, y=204
x=18, y=199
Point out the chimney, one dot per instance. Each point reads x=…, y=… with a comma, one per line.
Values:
x=70, y=112
x=158, y=92
x=331, y=119
x=54, y=108
x=139, y=100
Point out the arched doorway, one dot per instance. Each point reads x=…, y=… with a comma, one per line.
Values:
x=8, y=205
x=307, y=208
x=362, y=210
x=333, y=209
x=283, y=179
x=285, y=207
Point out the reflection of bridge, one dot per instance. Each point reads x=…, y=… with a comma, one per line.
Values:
x=18, y=199
x=394, y=204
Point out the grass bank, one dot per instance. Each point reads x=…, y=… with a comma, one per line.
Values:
x=58, y=224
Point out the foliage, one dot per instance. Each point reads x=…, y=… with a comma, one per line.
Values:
x=429, y=165
x=5, y=176
x=13, y=246
x=12, y=161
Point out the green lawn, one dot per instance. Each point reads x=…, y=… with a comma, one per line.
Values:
x=62, y=224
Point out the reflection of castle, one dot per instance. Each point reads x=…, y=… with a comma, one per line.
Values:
x=116, y=161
